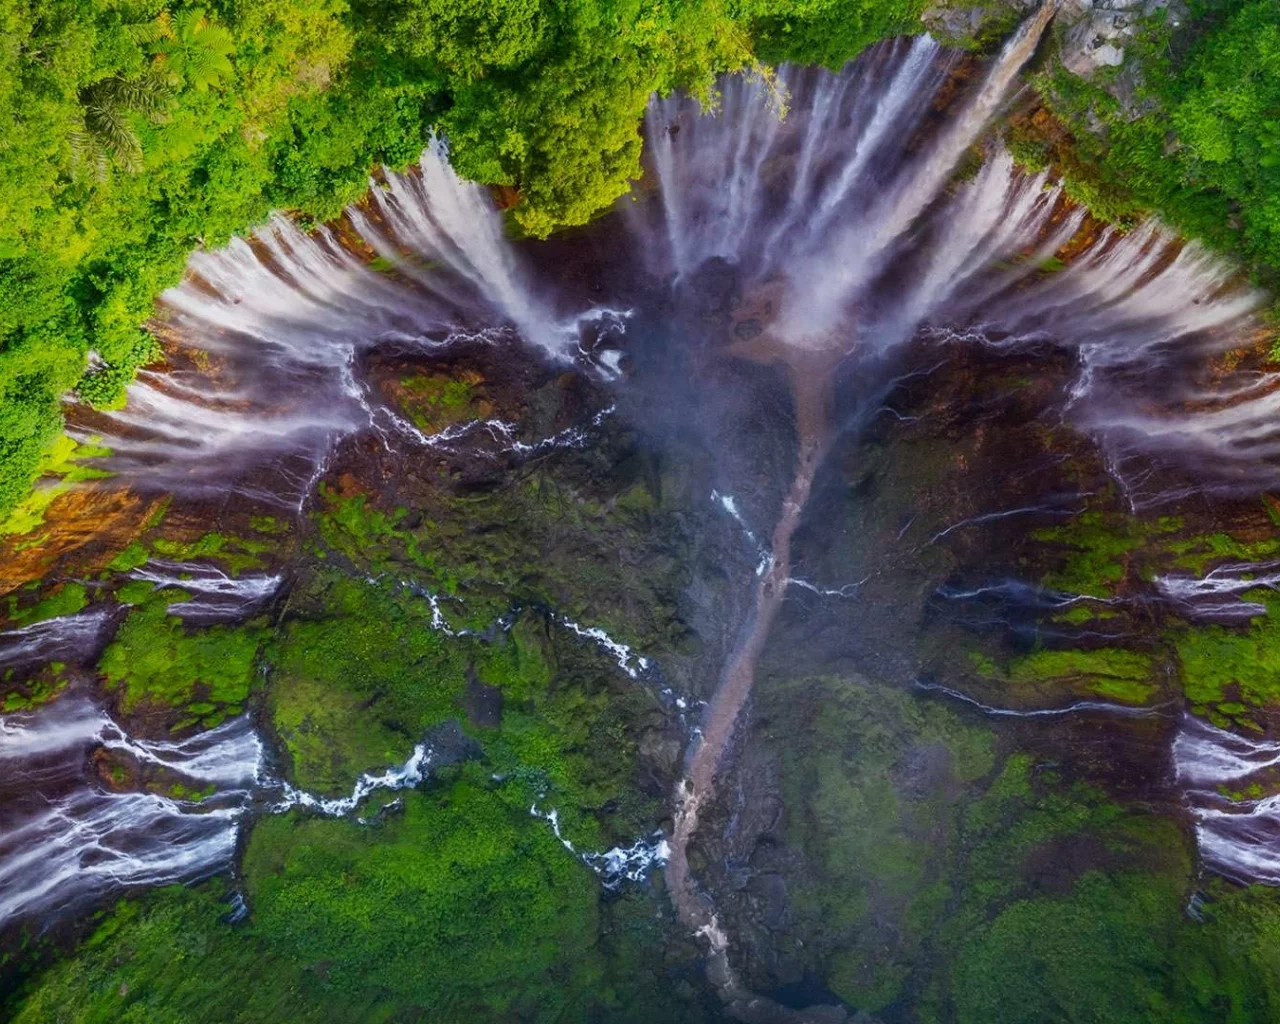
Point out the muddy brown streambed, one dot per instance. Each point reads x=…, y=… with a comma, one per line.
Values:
x=451, y=514
x=811, y=376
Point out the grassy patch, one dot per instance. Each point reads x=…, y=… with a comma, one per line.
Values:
x=361, y=675
x=1108, y=672
x=877, y=845
x=462, y=905
x=1095, y=549
x=1222, y=666
x=434, y=401
x=358, y=680
x=63, y=466
x=1197, y=554
x=156, y=660
x=64, y=599
x=237, y=553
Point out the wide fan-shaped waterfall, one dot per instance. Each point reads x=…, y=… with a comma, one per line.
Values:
x=836, y=225
x=834, y=196
x=280, y=319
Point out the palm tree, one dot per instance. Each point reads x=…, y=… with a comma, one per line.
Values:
x=106, y=133
x=188, y=48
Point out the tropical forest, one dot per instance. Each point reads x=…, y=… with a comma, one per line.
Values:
x=688, y=511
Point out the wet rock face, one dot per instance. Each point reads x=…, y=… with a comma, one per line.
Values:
x=484, y=703
x=450, y=745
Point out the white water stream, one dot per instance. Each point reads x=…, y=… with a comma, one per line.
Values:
x=66, y=838
x=849, y=212
x=1238, y=833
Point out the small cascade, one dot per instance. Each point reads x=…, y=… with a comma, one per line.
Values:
x=1102, y=707
x=616, y=865
x=438, y=218
x=628, y=660
x=66, y=638
x=1217, y=594
x=215, y=596
x=763, y=556
x=67, y=840
x=406, y=776
x=1238, y=835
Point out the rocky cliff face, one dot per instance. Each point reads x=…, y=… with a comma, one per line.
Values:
x=1092, y=34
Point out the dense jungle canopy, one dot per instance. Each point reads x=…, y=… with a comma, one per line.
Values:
x=138, y=131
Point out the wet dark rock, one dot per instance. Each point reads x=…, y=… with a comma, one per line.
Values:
x=388, y=810
x=450, y=745
x=483, y=703
x=770, y=892
x=748, y=329
x=713, y=289
x=661, y=748
x=116, y=770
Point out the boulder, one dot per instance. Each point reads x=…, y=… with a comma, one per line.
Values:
x=1099, y=30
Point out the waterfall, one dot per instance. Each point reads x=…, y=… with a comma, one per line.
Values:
x=440, y=218
x=65, y=840
x=837, y=199
x=739, y=182
x=1237, y=836
x=277, y=322
x=215, y=596
x=858, y=220
x=66, y=638
x=1217, y=594
x=846, y=218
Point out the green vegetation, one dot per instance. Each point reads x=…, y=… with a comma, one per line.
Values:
x=874, y=842
x=461, y=904
x=1198, y=554
x=999, y=890
x=158, y=662
x=1111, y=673
x=1084, y=613
x=1224, y=669
x=1097, y=547
x=237, y=553
x=32, y=693
x=1119, y=948
x=461, y=907
x=64, y=599
x=140, y=130
x=1107, y=672
x=357, y=681
x=581, y=517
x=828, y=32
x=62, y=465
x=1196, y=144
x=360, y=675
x=435, y=401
